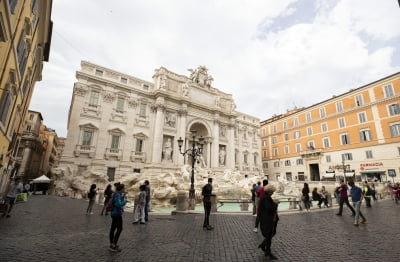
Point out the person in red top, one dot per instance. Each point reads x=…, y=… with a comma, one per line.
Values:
x=344, y=198
x=260, y=193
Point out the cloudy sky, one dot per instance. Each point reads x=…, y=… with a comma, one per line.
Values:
x=271, y=55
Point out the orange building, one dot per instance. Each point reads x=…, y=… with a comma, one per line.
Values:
x=355, y=135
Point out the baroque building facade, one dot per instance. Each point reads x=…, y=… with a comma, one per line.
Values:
x=121, y=125
x=355, y=135
x=25, y=36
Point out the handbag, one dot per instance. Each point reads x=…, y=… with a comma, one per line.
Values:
x=303, y=198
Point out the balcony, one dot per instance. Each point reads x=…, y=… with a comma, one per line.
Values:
x=84, y=149
x=113, y=152
x=137, y=156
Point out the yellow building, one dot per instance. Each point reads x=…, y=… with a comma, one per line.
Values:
x=355, y=135
x=25, y=34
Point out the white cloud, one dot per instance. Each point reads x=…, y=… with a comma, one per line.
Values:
x=299, y=61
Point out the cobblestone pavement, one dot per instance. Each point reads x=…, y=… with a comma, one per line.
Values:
x=49, y=228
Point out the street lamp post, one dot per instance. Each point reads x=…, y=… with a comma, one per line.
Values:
x=345, y=167
x=194, y=153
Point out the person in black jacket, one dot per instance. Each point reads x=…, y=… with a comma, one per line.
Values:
x=305, y=197
x=207, y=193
x=268, y=215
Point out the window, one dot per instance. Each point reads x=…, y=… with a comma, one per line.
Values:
x=368, y=154
x=31, y=116
x=142, y=110
x=124, y=80
x=342, y=122
x=110, y=173
x=365, y=135
x=276, y=164
x=25, y=87
x=324, y=127
x=22, y=53
x=345, y=139
x=28, y=128
x=362, y=118
x=264, y=132
x=286, y=149
x=3, y=32
x=308, y=116
x=296, y=134
x=120, y=104
x=310, y=145
x=309, y=131
x=13, y=4
x=322, y=113
x=296, y=121
x=5, y=105
x=255, y=159
x=265, y=153
x=328, y=158
x=94, y=98
x=284, y=125
x=87, y=137
x=339, y=107
x=388, y=90
x=395, y=130
x=359, y=100
x=139, y=145
x=264, y=143
x=115, y=142
x=347, y=156
x=298, y=148
x=274, y=140
x=274, y=128
x=394, y=109
x=136, y=170
x=299, y=161
x=276, y=152
x=245, y=158
x=286, y=136
x=265, y=165
x=326, y=142
x=99, y=72
x=287, y=163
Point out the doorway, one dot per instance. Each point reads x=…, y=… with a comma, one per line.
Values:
x=314, y=172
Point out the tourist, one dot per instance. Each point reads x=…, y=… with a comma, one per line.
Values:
x=325, y=196
x=373, y=192
x=367, y=194
x=253, y=197
x=344, y=198
x=13, y=190
x=268, y=214
x=116, y=215
x=207, y=193
x=260, y=193
x=305, y=197
x=356, y=197
x=92, y=197
x=139, y=208
x=147, y=204
x=107, y=196
x=255, y=189
x=317, y=197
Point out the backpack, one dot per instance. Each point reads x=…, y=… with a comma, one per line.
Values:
x=110, y=204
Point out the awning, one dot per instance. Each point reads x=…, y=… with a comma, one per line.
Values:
x=328, y=175
x=372, y=171
x=41, y=179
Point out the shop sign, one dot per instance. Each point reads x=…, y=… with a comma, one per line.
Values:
x=364, y=165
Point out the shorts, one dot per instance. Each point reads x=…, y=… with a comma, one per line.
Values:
x=10, y=200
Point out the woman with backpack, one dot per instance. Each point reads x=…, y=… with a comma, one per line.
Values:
x=118, y=202
x=92, y=196
x=107, y=196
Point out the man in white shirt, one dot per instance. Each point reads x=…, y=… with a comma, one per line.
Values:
x=13, y=190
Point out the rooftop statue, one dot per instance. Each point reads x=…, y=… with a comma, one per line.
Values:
x=201, y=76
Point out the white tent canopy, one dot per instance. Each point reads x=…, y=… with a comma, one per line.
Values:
x=41, y=179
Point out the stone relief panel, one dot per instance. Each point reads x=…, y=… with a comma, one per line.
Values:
x=132, y=103
x=108, y=97
x=80, y=90
x=170, y=119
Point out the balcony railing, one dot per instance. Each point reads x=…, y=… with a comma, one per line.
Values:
x=113, y=152
x=84, y=149
x=138, y=156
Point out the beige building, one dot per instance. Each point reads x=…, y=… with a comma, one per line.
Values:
x=121, y=125
x=25, y=36
x=355, y=135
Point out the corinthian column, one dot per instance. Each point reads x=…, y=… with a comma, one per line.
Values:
x=215, y=145
x=182, y=115
x=230, y=153
x=158, y=134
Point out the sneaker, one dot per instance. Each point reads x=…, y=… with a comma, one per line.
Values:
x=135, y=222
x=255, y=230
x=209, y=227
x=338, y=214
x=356, y=223
x=363, y=221
x=114, y=248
